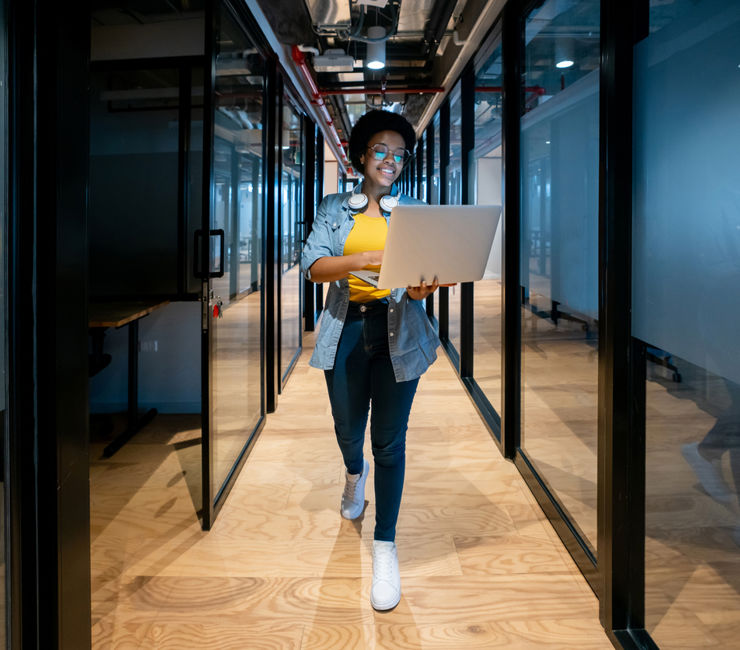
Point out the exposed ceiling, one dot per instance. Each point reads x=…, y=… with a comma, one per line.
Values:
x=423, y=40
x=418, y=34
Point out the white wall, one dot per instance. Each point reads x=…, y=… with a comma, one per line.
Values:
x=331, y=172
x=488, y=192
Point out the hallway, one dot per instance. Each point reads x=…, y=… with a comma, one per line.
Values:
x=480, y=565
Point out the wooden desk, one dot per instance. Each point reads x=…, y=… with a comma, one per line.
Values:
x=101, y=316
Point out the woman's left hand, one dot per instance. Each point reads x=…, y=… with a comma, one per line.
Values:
x=423, y=290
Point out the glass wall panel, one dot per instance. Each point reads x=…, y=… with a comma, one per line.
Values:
x=237, y=158
x=487, y=173
x=291, y=186
x=436, y=169
x=454, y=197
x=133, y=235
x=559, y=252
x=686, y=283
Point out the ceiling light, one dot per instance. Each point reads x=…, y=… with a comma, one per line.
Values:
x=333, y=60
x=376, y=49
x=563, y=54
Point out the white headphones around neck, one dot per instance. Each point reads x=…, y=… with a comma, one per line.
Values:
x=358, y=202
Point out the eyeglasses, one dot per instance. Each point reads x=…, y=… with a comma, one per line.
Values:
x=381, y=151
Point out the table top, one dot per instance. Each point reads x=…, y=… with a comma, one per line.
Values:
x=118, y=314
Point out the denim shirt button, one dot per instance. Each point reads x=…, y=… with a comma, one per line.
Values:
x=390, y=333
x=390, y=310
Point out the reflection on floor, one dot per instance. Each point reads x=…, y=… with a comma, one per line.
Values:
x=693, y=539
x=487, y=339
x=559, y=411
x=692, y=553
x=235, y=382
x=481, y=567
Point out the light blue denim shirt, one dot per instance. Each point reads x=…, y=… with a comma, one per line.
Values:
x=412, y=341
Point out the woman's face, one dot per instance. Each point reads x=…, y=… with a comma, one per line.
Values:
x=383, y=164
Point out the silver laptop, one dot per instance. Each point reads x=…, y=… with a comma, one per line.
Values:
x=449, y=242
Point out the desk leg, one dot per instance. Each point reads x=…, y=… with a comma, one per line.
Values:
x=135, y=423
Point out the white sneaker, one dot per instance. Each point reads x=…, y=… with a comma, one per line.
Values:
x=386, y=590
x=709, y=473
x=353, y=497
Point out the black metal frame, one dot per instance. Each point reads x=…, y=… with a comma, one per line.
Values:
x=209, y=84
x=467, y=101
x=429, y=136
x=319, y=288
x=622, y=359
x=309, y=209
x=443, y=315
x=20, y=480
x=47, y=455
x=270, y=256
x=511, y=39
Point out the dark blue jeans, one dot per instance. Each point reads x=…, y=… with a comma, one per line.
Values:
x=362, y=375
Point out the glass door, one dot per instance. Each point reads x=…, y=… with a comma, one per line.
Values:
x=291, y=236
x=559, y=255
x=232, y=396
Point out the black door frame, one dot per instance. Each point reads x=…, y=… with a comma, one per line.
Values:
x=47, y=452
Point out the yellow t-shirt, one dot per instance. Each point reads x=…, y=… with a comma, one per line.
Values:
x=368, y=234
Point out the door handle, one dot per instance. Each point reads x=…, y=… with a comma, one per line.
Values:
x=217, y=237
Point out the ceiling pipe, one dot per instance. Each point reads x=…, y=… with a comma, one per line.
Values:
x=436, y=27
x=537, y=90
x=379, y=91
x=300, y=60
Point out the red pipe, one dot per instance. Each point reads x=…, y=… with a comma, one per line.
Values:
x=379, y=91
x=300, y=61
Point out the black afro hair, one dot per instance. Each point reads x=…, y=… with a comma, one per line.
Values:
x=374, y=122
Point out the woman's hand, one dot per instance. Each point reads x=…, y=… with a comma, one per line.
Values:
x=332, y=268
x=423, y=290
x=371, y=258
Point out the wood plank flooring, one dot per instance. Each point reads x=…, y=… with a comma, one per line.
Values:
x=480, y=565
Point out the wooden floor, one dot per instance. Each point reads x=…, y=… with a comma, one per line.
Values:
x=480, y=565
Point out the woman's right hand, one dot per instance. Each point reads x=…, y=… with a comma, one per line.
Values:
x=371, y=258
x=332, y=268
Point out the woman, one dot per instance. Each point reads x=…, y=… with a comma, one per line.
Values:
x=373, y=344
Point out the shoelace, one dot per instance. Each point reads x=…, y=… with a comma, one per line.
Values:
x=384, y=563
x=350, y=487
